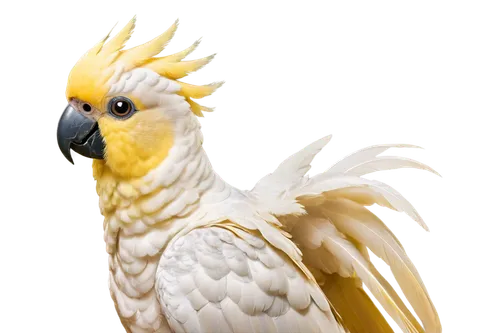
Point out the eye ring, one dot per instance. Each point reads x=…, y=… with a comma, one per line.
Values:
x=121, y=107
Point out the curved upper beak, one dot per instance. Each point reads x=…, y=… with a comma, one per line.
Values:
x=77, y=132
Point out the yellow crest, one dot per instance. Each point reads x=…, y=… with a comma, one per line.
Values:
x=87, y=80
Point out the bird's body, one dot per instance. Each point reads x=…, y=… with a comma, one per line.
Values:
x=135, y=243
x=185, y=191
x=190, y=253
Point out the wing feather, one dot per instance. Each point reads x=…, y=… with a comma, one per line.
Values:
x=214, y=280
x=359, y=223
x=391, y=198
x=358, y=313
x=383, y=163
x=362, y=156
x=333, y=230
x=290, y=171
x=356, y=265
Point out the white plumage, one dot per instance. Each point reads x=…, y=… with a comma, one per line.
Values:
x=190, y=253
x=244, y=261
x=212, y=280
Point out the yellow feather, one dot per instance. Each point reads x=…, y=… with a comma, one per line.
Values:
x=363, y=196
x=104, y=38
x=360, y=224
x=357, y=312
x=177, y=70
x=189, y=90
x=197, y=108
x=88, y=80
x=395, y=295
x=349, y=256
x=136, y=145
x=118, y=42
x=351, y=263
x=183, y=54
x=139, y=54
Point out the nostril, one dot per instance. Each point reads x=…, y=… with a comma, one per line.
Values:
x=86, y=107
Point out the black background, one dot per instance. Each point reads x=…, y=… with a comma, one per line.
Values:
x=361, y=72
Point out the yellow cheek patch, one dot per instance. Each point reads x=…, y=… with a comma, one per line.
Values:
x=136, y=145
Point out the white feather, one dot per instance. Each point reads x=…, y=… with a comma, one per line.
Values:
x=395, y=200
x=383, y=163
x=359, y=223
x=362, y=156
x=257, y=297
x=352, y=259
x=290, y=171
x=342, y=255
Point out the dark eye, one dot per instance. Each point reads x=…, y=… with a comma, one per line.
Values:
x=121, y=107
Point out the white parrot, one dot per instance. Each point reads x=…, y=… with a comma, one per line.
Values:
x=190, y=253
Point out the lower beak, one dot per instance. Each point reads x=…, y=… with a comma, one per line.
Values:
x=77, y=132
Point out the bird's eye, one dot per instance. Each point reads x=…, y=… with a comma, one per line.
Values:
x=121, y=107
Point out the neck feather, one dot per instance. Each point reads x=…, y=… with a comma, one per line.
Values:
x=164, y=197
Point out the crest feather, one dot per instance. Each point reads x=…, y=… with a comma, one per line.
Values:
x=197, y=108
x=98, y=47
x=182, y=54
x=177, y=70
x=138, y=55
x=192, y=91
x=196, y=94
x=118, y=42
x=87, y=80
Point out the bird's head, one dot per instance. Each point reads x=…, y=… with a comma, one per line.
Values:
x=126, y=107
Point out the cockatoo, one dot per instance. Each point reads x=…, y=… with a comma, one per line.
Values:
x=190, y=253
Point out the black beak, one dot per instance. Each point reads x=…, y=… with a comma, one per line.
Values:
x=77, y=132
